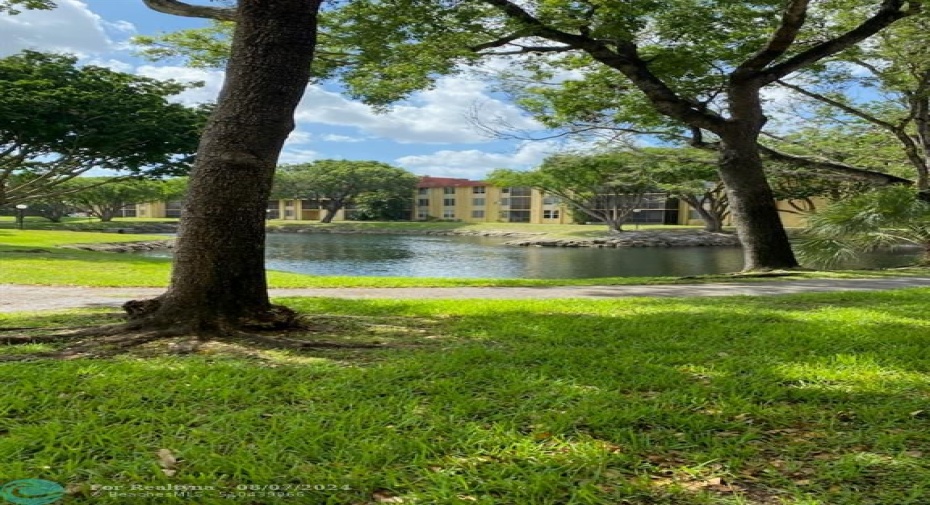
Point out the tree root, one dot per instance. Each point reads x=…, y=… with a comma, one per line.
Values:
x=290, y=343
x=107, y=341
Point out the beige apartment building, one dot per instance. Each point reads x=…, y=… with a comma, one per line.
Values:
x=465, y=200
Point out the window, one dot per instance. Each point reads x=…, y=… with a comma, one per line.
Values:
x=423, y=191
x=505, y=202
x=550, y=214
x=448, y=214
x=173, y=209
x=422, y=215
x=521, y=191
x=552, y=200
x=477, y=202
x=478, y=190
x=271, y=212
x=448, y=191
x=423, y=202
x=505, y=190
x=448, y=202
x=128, y=211
x=477, y=214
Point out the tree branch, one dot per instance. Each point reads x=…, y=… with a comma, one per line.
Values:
x=792, y=21
x=626, y=60
x=839, y=105
x=503, y=41
x=530, y=49
x=178, y=8
x=835, y=167
x=889, y=12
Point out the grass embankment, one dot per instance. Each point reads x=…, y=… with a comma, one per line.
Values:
x=549, y=230
x=554, y=230
x=36, y=257
x=81, y=223
x=812, y=399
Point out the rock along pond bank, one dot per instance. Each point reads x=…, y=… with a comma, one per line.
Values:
x=645, y=238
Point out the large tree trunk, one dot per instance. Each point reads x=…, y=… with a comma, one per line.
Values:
x=331, y=210
x=218, y=278
x=752, y=204
x=922, y=120
x=713, y=222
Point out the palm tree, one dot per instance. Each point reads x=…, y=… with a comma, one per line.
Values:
x=883, y=218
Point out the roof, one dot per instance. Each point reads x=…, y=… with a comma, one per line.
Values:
x=446, y=182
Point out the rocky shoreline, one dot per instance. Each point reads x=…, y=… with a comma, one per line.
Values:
x=650, y=238
x=646, y=238
x=124, y=247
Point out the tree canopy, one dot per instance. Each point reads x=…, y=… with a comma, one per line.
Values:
x=337, y=183
x=606, y=187
x=104, y=197
x=882, y=91
x=59, y=120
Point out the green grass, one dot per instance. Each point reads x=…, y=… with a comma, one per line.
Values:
x=800, y=400
x=80, y=223
x=57, y=238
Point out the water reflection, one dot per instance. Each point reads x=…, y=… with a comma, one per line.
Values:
x=484, y=257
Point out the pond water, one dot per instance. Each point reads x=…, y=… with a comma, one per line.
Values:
x=487, y=257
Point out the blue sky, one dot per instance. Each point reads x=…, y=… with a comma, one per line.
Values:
x=428, y=134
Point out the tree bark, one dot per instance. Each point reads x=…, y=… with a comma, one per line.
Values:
x=712, y=223
x=712, y=212
x=331, y=211
x=218, y=277
x=921, y=110
x=752, y=204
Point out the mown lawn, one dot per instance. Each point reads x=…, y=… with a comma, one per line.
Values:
x=811, y=399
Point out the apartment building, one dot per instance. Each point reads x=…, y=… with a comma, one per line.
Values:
x=465, y=200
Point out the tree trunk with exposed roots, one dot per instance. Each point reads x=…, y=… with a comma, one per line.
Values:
x=218, y=279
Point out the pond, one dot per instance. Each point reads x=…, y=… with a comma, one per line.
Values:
x=487, y=257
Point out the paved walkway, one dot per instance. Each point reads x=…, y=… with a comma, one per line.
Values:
x=15, y=298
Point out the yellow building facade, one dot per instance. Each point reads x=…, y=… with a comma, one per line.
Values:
x=464, y=200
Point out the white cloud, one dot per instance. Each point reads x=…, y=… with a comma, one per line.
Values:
x=71, y=28
x=115, y=65
x=121, y=26
x=212, y=80
x=475, y=164
x=342, y=138
x=298, y=137
x=294, y=156
x=436, y=116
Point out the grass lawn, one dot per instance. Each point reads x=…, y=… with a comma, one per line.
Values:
x=35, y=257
x=80, y=223
x=802, y=400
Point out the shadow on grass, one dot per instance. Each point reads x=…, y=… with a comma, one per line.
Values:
x=803, y=399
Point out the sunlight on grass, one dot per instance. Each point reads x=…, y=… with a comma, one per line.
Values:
x=48, y=238
x=807, y=399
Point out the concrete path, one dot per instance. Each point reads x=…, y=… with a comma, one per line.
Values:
x=15, y=298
